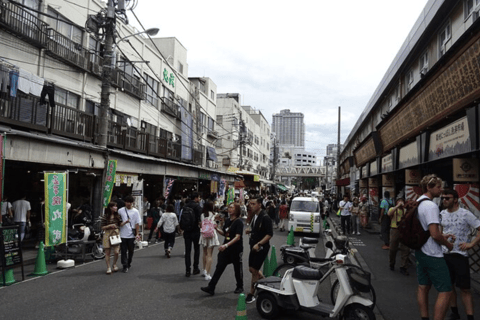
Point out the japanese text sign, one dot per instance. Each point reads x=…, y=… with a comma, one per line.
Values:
x=109, y=182
x=55, y=208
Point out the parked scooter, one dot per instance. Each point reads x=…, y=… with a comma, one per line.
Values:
x=298, y=290
x=83, y=234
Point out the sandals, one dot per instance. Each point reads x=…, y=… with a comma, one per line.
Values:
x=115, y=268
x=109, y=271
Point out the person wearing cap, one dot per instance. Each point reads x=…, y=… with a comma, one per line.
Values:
x=396, y=213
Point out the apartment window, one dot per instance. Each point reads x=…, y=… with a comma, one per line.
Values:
x=202, y=86
x=57, y=21
x=211, y=124
x=471, y=6
x=169, y=94
x=180, y=67
x=95, y=48
x=443, y=37
x=212, y=95
x=152, y=89
x=220, y=119
x=397, y=93
x=91, y=108
x=423, y=63
x=203, y=120
x=268, y=146
x=149, y=128
x=66, y=98
x=409, y=80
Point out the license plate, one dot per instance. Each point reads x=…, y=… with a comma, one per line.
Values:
x=299, y=229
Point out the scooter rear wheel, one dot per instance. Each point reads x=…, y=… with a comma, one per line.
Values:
x=356, y=311
x=267, y=305
x=97, y=252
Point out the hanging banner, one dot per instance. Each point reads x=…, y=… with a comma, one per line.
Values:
x=213, y=186
x=230, y=195
x=221, y=190
x=109, y=181
x=55, y=208
x=468, y=196
x=168, y=187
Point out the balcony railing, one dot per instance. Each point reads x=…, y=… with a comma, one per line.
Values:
x=94, y=64
x=157, y=146
x=130, y=84
x=66, y=49
x=170, y=107
x=135, y=140
x=174, y=150
x=198, y=155
x=23, y=23
x=72, y=123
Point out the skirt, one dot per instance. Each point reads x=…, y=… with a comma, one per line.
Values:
x=106, y=238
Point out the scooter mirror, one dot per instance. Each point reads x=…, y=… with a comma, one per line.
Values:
x=329, y=245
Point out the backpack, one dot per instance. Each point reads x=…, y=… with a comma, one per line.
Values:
x=208, y=228
x=411, y=231
x=187, y=221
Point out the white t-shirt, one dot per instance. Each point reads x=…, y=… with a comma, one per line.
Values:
x=126, y=230
x=429, y=213
x=346, y=208
x=20, y=208
x=6, y=205
x=169, y=221
x=460, y=223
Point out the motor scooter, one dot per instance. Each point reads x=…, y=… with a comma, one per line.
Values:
x=82, y=235
x=298, y=290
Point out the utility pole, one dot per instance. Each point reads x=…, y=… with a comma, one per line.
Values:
x=275, y=158
x=338, y=149
x=241, y=140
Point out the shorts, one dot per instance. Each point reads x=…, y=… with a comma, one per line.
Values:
x=433, y=270
x=256, y=259
x=459, y=269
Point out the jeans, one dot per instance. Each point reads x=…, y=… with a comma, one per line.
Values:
x=126, y=248
x=22, y=229
x=345, y=223
x=169, y=240
x=151, y=232
x=192, y=239
x=356, y=223
x=385, y=230
x=224, y=259
x=395, y=245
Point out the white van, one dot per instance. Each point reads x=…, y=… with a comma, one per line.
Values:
x=305, y=215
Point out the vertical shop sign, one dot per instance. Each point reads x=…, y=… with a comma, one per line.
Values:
x=168, y=187
x=55, y=208
x=230, y=195
x=221, y=190
x=109, y=181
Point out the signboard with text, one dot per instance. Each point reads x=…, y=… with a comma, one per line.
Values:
x=450, y=140
x=55, y=208
x=109, y=181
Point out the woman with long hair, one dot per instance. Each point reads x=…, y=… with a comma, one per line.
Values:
x=110, y=223
x=208, y=241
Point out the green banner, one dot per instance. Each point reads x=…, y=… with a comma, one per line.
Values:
x=230, y=195
x=55, y=208
x=109, y=182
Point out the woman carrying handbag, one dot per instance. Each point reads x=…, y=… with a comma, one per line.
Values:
x=111, y=237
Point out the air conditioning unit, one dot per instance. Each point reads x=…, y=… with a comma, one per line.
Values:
x=423, y=71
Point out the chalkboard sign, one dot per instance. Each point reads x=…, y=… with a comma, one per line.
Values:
x=10, y=248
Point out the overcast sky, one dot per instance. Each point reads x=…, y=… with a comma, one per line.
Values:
x=306, y=56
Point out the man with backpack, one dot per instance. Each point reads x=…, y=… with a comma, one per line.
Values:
x=431, y=265
x=384, y=219
x=459, y=222
x=190, y=225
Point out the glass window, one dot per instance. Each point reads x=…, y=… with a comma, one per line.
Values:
x=151, y=92
x=443, y=37
x=211, y=124
x=66, y=98
x=212, y=95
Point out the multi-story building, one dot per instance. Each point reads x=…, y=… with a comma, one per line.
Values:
x=160, y=123
x=244, y=133
x=289, y=128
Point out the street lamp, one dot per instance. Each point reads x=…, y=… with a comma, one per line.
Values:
x=151, y=32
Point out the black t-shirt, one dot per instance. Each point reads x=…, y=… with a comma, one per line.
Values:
x=230, y=230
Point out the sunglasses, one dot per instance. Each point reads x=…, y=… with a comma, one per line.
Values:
x=446, y=198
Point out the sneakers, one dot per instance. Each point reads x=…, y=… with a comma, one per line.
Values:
x=238, y=290
x=203, y=273
x=250, y=298
x=125, y=270
x=208, y=277
x=115, y=268
x=453, y=316
x=167, y=253
x=208, y=290
x=109, y=271
x=187, y=274
x=354, y=233
x=196, y=271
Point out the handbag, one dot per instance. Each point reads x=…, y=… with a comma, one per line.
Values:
x=114, y=240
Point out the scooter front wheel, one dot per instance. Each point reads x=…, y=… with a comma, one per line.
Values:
x=356, y=311
x=97, y=252
x=267, y=305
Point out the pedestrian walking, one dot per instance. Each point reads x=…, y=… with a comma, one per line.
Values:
x=384, y=219
x=355, y=210
x=129, y=231
x=363, y=212
x=155, y=213
x=431, y=266
x=260, y=234
x=283, y=215
x=110, y=223
x=396, y=213
x=208, y=238
x=231, y=251
x=459, y=222
x=345, y=205
x=169, y=221
x=190, y=225
x=21, y=214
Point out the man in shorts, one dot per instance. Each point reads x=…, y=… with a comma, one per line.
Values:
x=260, y=233
x=459, y=222
x=431, y=266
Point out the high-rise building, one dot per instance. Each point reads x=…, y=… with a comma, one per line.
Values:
x=289, y=128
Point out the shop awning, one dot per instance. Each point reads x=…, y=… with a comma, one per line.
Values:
x=211, y=154
x=281, y=187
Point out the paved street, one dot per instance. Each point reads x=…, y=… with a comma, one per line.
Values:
x=157, y=286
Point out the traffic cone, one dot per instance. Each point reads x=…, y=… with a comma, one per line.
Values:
x=40, y=265
x=273, y=261
x=291, y=237
x=266, y=267
x=241, y=308
x=9, y=278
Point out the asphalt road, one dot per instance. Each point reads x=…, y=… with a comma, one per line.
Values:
x=154, y=287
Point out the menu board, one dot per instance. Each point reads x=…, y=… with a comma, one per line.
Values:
x=11, y=250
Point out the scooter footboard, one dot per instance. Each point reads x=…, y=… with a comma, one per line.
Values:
x=359, y=299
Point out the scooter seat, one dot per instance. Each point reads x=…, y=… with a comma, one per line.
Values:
x=307, y=240
x=306, y=246
x=320, y=260
x=306, y=273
